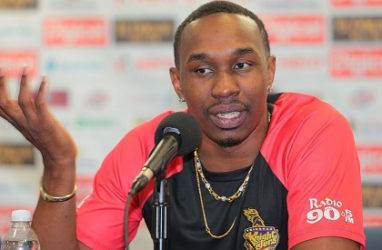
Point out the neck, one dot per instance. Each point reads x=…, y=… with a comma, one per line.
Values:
x=216, y=158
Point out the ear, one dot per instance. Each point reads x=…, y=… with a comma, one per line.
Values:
x=271, y=70
x=175, y=79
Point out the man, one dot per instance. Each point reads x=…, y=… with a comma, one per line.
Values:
x=276, y=174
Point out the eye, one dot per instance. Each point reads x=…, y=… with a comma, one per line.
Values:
x=203, y=71
x=241, y=65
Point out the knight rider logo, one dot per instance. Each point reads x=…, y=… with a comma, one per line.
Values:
x=259, y=236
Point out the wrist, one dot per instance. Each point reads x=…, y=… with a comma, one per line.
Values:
x=58, y=178
x=66, y=161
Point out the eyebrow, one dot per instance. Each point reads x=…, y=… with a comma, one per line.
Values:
x=245, y=51
x=197, y=57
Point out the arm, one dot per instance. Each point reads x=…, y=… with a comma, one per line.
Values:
x=327, y=243
x=54, y=222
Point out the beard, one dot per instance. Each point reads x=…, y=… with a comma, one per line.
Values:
x=228, y=142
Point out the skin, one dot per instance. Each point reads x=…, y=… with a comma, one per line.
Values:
x=223, y=70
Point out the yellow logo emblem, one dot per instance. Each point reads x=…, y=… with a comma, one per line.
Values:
x=259, y=236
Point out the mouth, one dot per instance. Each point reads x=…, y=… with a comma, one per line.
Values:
x=228, y=117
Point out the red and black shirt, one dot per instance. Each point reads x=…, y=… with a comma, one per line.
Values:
x=305, y=184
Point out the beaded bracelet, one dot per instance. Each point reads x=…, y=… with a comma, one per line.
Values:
x=51, y=198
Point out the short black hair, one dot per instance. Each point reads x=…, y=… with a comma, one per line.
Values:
x=213, y=8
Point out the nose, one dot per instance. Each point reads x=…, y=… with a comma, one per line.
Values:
x=225, y=86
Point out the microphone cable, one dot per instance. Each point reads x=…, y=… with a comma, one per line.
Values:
x=126, y=222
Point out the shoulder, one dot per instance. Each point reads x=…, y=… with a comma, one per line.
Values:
x=300, y=116
x=294, y=107
x=303, y=125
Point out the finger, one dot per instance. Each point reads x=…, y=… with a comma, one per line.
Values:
x=5, y=101
x=42, y=95
x=9, y=119
x=25, y=98
x=16, y=118
x=4, y=88
x=9, y=108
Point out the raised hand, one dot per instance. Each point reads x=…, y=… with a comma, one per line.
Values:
x=31, y=116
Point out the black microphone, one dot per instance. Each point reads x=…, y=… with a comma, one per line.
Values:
x=177, y=134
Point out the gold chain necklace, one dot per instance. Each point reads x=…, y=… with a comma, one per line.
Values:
x=236, y=195
x=241, y=189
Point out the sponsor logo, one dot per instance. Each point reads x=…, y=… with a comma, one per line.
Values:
x=371, y=159
x=79, y=65
x=327, y=209
x=94, y=122
x=354, y=63
x=291, y=4
x=302, y=62
x=12, y=33
x=354, y=3
x=295, y=29
x=75, y=31
x=159, y=63
x=153, y=63
x=259, y=236
x=145, y=31
x=16, y=155
x=372, y=195
x=14, y=61
x=73, y=4
x=357, y=28
x=308, y=63
x=18, y=4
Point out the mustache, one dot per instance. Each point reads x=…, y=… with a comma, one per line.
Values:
x=227, y=101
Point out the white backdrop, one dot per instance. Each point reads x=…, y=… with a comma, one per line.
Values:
x=108, y=66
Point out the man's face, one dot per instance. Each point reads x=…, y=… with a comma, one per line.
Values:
x=223, y=75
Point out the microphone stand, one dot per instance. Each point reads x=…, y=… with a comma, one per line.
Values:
x=160, y=227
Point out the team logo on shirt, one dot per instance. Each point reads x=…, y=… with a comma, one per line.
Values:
x=259, y=236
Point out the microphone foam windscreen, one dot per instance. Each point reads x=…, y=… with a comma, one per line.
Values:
x=189, y=131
